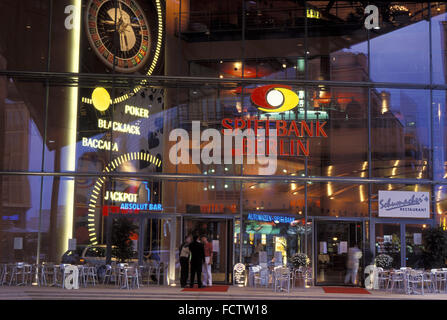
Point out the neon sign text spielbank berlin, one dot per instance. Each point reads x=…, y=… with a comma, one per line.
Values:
x=255, y=139
x=257, y=144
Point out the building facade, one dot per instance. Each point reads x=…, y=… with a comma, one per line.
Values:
x=269, y=126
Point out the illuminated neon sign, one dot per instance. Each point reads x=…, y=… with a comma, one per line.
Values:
x=132, y=207
x=136, y=111
x=121, y=196
x=274, y=98
x=118, y=126
x=99, y=144
x=270, y=218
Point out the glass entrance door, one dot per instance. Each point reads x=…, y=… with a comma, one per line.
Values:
x=334, y=238
x=218, y=232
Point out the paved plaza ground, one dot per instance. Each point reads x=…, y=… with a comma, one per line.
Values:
x=155, y=292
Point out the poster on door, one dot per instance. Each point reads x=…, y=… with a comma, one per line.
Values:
x=404, y=204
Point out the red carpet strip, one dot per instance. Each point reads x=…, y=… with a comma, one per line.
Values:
x=351, y=290
x=207, y=289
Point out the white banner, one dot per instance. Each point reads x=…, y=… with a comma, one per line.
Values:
x=404, y=204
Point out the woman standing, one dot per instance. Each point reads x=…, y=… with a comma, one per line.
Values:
x=184, y=261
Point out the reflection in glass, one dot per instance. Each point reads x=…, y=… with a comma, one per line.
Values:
x=401, y=135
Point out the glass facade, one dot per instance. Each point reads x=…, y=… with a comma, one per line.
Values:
x=112, y=108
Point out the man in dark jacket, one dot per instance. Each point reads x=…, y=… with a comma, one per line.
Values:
x=197, y=259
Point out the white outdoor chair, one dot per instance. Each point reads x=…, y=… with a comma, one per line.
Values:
x=397, y=280
x=281, y=277
x=91, y=275
x=415, y=282
x=383, y=277
x=130, y=278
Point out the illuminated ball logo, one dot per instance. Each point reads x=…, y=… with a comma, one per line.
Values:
x=101, y=99
x=274, y=98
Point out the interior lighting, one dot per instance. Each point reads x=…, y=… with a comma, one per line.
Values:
x=329, y=185
x=361, y=187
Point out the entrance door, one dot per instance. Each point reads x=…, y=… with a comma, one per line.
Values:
x=218, y=232
x=334, y=238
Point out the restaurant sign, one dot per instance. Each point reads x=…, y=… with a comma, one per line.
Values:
x=404, y=204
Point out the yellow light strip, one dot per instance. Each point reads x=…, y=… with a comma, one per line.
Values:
x=362, y=187
x=70, y=152
x=329, y=185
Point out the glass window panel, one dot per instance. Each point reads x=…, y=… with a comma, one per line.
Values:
x=333, y=199
x=438, y=34
x=275, y=45
x=414, y=247
x=337, y=41
x=344, y=115
x=404, y=27
x=220, y=197
x=441, y=204
x=274, y=221
x=24, y=35
x=22, y=106
x=19, y=218
x=439, y=135
x=387, y=241
x=400, y=133
x=203, y=33
x=58, y=217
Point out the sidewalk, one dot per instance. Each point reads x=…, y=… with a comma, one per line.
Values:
x=155, y=292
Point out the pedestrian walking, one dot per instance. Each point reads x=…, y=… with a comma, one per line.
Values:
x=354, y=255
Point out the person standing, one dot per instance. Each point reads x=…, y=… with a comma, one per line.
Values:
x=197, y=259
x=354, y=255
x=185, y=255
x=206, y=269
